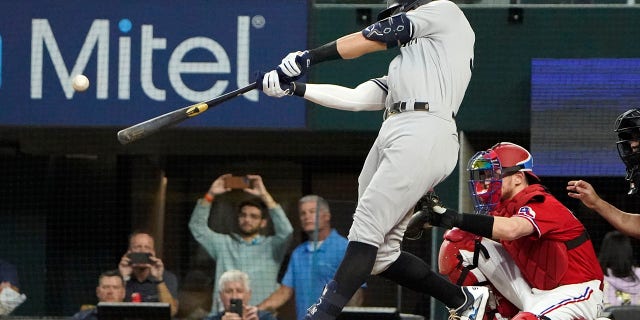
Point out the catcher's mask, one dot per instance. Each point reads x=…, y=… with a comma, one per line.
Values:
x=397, y=6
x=487, y=168
x=628, y=128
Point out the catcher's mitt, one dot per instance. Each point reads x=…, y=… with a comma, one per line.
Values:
x=421, y=218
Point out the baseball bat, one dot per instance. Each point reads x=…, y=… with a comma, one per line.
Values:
x=146, y=128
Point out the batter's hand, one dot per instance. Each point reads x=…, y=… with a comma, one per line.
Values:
x=295, y=65
x=583, y=191
x=272, y=86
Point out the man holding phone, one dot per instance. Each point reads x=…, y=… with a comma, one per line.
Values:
x=235, y=294
x=146, y=279
x=248, y=250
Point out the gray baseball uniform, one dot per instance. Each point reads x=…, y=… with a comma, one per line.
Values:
x=414, y=151
x=416, y=148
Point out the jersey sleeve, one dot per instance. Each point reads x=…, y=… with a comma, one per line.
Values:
x=434, y=18
x=367, y=96
x=559, y=224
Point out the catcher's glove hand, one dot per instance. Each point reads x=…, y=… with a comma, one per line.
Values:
x=429, y=211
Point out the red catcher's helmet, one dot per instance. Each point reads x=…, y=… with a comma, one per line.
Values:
x=487, y=168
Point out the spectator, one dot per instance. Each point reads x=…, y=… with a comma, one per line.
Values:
x=110, y=289
x=532, y=226
x=234, y=284
x=313, y=263
x=10, y=296
x=628, y=128
x=149, y=279
x=258, y=255
x=621, y=276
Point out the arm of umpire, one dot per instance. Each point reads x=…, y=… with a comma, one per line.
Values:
x=628, y=223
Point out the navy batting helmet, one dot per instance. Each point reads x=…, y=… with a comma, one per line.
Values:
x=395, y=6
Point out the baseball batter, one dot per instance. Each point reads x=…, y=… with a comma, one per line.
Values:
x=545, y=263
x=416, y=148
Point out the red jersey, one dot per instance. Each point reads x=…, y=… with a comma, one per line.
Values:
x=559, y=251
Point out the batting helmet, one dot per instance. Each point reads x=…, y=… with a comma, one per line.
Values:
x=628, y=128
x=487, y=168
x=396, y=6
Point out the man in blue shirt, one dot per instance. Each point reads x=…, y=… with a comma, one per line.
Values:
x=248, y=250
x=313, y=263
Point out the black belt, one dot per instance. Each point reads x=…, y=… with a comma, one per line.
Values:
x=402, y=107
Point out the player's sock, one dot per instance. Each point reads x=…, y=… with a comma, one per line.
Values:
x=353, y=271
x=412, y=272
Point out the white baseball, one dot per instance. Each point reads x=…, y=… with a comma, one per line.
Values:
x=80, y=83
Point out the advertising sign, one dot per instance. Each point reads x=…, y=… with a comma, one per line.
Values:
x=145, y=58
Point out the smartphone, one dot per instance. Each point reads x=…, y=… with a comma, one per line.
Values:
x=139, y=258
x=236, y=182
x=235, y=306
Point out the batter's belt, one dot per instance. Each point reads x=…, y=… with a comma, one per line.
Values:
x=399, y=107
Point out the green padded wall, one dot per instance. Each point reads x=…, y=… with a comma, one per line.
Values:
x=499, y=93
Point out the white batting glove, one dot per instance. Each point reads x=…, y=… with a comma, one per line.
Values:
x=271, y=85
x=289, y=66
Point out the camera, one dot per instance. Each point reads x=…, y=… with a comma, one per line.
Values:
x=236, y=182
x=235, y=306
x=139, y=258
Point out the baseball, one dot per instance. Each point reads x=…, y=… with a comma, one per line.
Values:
x=80, y=83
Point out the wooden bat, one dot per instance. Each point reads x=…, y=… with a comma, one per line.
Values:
x=146, y=128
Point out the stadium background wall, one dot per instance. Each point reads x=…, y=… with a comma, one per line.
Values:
x=70, y=196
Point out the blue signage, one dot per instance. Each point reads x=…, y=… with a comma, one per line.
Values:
x=574, y=105
x=145, y=58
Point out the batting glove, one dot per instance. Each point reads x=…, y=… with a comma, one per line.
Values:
x=294, y=65
x=270, y=84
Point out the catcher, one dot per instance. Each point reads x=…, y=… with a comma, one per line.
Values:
x=544, y=262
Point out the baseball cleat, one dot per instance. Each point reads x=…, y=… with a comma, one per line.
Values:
x=474, y=305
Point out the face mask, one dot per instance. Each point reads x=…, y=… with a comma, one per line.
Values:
x=9, y=300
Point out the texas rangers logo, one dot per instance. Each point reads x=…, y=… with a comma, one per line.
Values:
x=527, y=212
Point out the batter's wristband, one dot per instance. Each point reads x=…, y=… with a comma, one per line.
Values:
x=299, y=88
x=325, y=52
x=478, y=224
